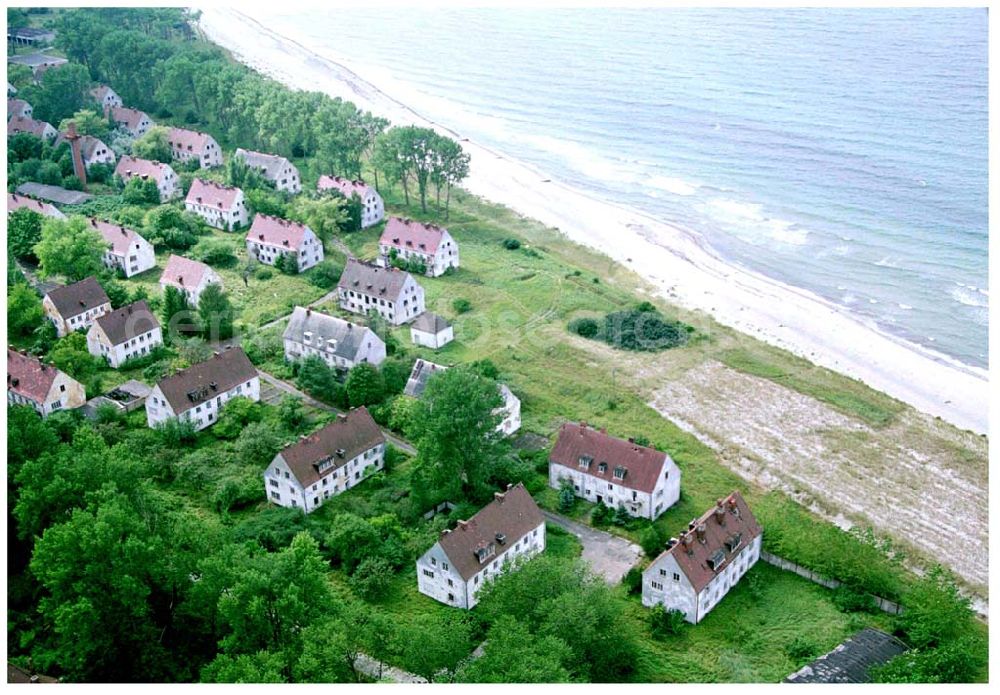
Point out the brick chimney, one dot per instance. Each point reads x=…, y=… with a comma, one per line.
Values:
x=700, y=530
x=74, y=145
x=720, y=512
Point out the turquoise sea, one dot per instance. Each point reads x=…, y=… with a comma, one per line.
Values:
x=843, y=151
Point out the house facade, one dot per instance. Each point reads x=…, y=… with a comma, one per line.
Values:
x=431, y=330
x=41, y=386
x=270, y=238
x=327, y=462
x=16, y=202
x=465, y=559
x=276, y=169
x=94, y=151
x=73, y=307
x=222, y=207
x=19, y=108
x=136, y=122
x=166, y=178
x=129, y=332
x=614, y=472
x=188, y=276
x=127, y=250
x=198, y=393
x=372, y=207
x=709, y=558
x=40, y=129
x=106, y=97
x=416, y=241
x=391, y=293
x=337, y=342
x=192, y=144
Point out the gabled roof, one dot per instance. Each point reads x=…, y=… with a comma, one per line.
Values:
x=123, y=324
x=130, y=117
x=56, y=194
x=429, y=322
x=101, y=91
x=120, y=237
x=17, y=107
x=850, y=662
x=271, y=164
x=88, y=145
x=643, y=465
x=383, y=283
x=82, y=296
x=21, y=124
x=338, y=442
x=129, y=166
x=421, y=372
x=184, y=272
x=189, y=140
x=346, y=186
x=720, y=533
x=412, y=235
x=277, y=232
x=512, y=514
x=206, y=380
x=27, y=376
x=349, y=337
x=16, y=202
x=204, y=192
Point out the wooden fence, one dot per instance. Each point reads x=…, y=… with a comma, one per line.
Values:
x=883, y=604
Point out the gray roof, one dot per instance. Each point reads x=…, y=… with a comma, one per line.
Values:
x=33, y=60
x=80, y=297
x=350, y=337
x=56, y=194
x=272, y=164
x=205, y=380
x=422, y=371
x=430, y=323
x=849, y=662
x=127, y=322
x=382, y=283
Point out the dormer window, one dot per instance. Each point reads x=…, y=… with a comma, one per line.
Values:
x=716, y=560
x=602, y=467
x=733, y=542
x=307, y=336
x=585, y=462
x=620, y=472
x=485, y=552
x=324, y=465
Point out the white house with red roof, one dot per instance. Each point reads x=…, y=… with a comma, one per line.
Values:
x=92, y=150
x=41, y=386
x=136, y=122
x=270, y=238
x=509, y=529
x=73, y=307
x=166, y=178
x=19, y=108
x=188, y=276
x=40, y=129
x=106, y=97
x=16, y=202
x=412, y=240
x=327, y=462
x=192, y=144
x=709, y=558
x=275, y=168
x=222, y=207
x=614, y=472
x=127, y=250
x=372, y=207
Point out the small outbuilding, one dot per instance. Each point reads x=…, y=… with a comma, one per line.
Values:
x=431, y=330
x=851, y=661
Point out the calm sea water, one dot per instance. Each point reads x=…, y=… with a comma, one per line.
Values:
x=843, y=151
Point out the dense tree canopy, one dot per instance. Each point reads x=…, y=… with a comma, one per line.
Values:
x=71, y=248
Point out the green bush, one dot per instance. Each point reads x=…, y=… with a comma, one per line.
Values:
x=326, y=274
x=512, y=244
x=585, y=327
x=602, y=515
x=849, y=600
x=264, y=273
x=633, y=581
x=461, y=306
x=651, y=540
x=665, y=623
x=567, y=497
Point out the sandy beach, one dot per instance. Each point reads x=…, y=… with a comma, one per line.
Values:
x=685, y=271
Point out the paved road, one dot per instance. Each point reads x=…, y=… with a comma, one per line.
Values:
x=282, y=385
x=609, y=556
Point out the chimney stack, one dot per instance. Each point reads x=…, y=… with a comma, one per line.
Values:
x=463, y=524
x=700, y=530
x=74, y=145
x=720, y=513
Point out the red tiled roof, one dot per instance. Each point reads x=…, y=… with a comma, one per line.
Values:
x=16, y=107
x=189, y=140
x=29, y=377
x=643, y=465
x=20, y=124
x=512, y=513
x=16, y=202
x=80, y=297
x=735, y=523
x=130, y=166
x=356, y=433
x=100, y=91
x=211, y=193
x=345, y=186
x=276, y=231
x=183, y=272
x=117, y=235
x=412, y=235
x=130, y=117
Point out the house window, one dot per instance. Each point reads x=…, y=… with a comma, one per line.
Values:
x=274, y=483
x=434, y=561
x=663, y=573
x=444, y=566
x=428, y=573
x=656, y=585
x=677, y=577
x=275, y=495
x=451, y=597
x=451, y=583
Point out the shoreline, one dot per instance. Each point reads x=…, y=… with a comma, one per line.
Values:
x=679, y=264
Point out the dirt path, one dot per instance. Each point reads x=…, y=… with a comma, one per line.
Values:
x=608, y=555
x=919, y=481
